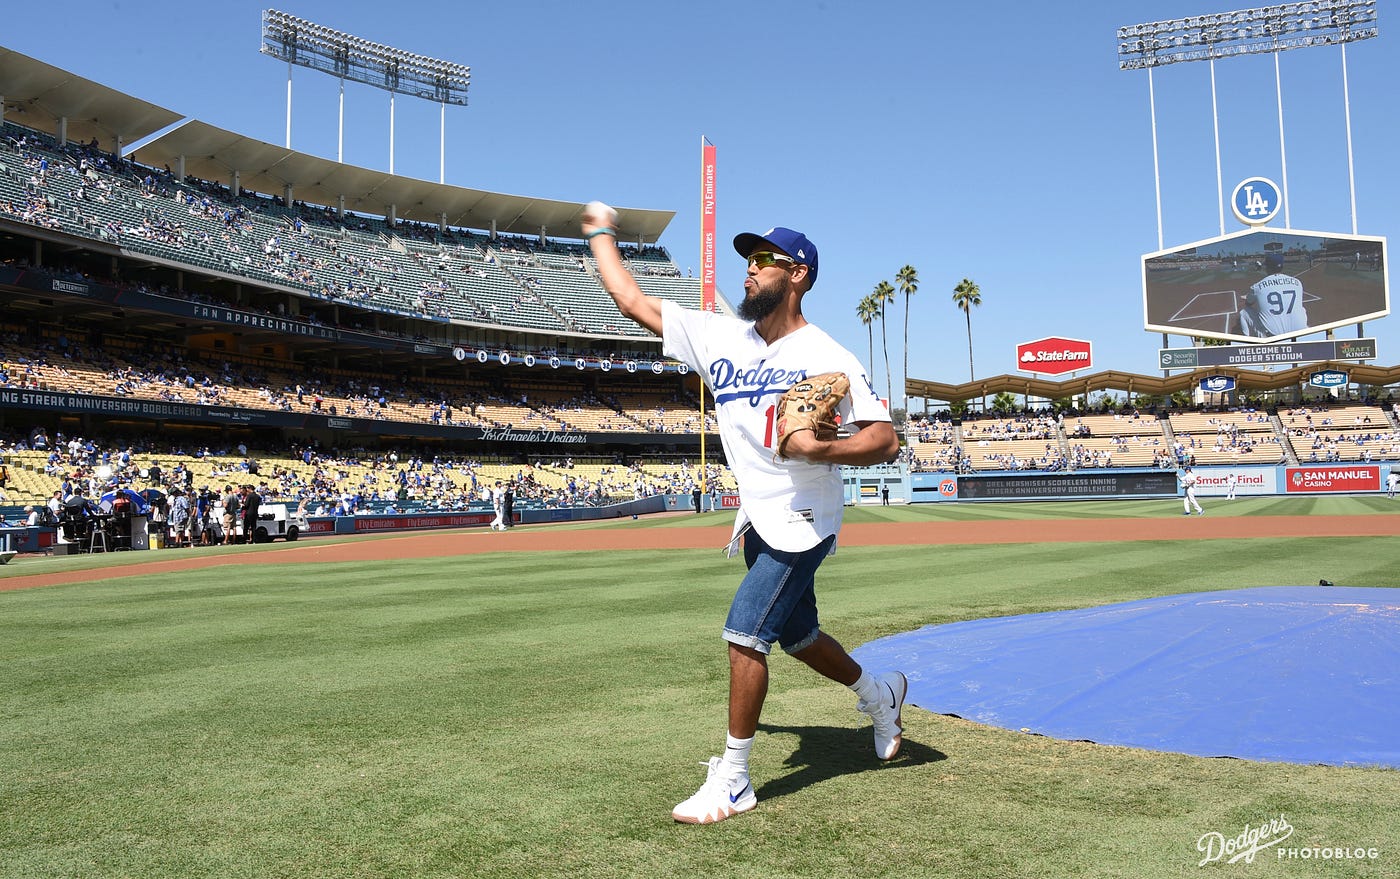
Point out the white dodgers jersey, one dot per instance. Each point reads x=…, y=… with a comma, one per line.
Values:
x=793, y=504
x=1278, y=308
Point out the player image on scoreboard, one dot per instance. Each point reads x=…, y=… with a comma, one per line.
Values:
x=1266, y=285
x=1274, y=305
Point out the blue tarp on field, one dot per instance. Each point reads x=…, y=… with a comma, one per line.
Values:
x=1294, y=674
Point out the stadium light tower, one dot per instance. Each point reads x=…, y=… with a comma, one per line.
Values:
x=301, y=42
x=1267, y=29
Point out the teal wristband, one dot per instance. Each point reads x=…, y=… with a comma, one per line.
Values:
x=601, y=230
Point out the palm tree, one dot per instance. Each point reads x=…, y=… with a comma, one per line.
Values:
x=883, y=294
x=908, y=280
x=966, y=295
x=866, y=310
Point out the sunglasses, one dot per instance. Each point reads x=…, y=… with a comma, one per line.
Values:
x=764, y=258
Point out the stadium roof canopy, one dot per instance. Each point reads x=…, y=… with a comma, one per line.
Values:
x=213, y=154
x=41, y=96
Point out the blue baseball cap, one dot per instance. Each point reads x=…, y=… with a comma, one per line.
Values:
x=1273, y=260
x=794, y=244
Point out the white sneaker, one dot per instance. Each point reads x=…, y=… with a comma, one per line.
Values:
x=724, y=793
x=886, y=714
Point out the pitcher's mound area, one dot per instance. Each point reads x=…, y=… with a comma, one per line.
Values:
x=1295, y=674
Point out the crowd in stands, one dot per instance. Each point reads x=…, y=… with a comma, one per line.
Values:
x=1020, y=426
x=1314, y=433
x=617, y=356
x=1228, y=437
x=316, y=255
x=1326, y=437
x=52, y=361
x=335, y=481
x=394, y=266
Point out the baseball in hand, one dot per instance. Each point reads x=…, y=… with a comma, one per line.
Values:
x=598, y=214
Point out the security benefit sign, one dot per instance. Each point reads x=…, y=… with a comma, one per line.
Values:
x=1329, y=378
x=1279, y=352
x=1265, y=285
x=1054, y=356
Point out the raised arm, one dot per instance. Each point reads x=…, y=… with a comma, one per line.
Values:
x=600, y=230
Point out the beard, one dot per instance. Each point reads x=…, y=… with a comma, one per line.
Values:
x=762, y=302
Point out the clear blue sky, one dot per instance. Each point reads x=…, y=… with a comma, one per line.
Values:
x=999, y=143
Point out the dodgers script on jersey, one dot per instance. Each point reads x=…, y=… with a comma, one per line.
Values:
x=1278, y=308
x=793, y=504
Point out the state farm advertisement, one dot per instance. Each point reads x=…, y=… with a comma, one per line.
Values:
x=1054, y=355
x=1340, y=477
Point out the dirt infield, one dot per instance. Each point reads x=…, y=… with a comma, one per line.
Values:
x=551, y=539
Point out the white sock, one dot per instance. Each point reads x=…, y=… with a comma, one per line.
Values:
x=736, y=753
x=866, y=688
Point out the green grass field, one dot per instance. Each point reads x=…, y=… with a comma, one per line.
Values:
x=538, y=715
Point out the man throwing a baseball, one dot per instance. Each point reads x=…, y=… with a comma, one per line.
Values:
x=789, y=481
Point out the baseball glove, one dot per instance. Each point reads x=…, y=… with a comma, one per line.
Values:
x=810, y=405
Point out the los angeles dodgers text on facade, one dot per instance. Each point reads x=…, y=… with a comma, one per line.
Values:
x=533, y=436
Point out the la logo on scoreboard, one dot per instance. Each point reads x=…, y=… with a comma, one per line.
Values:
x=1256, y=201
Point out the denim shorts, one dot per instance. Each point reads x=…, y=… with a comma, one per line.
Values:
x=777, y=600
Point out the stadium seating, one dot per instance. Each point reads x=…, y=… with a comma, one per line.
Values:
x=1117, y=424
x=1116, y=440
x=1338, y=432
x=498, y=285
x=1022, y=443
x=452, y=483
x=931, y=445
x=121, y=368
x=405, y=269
x=1229, y=437
x=1349, y=432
